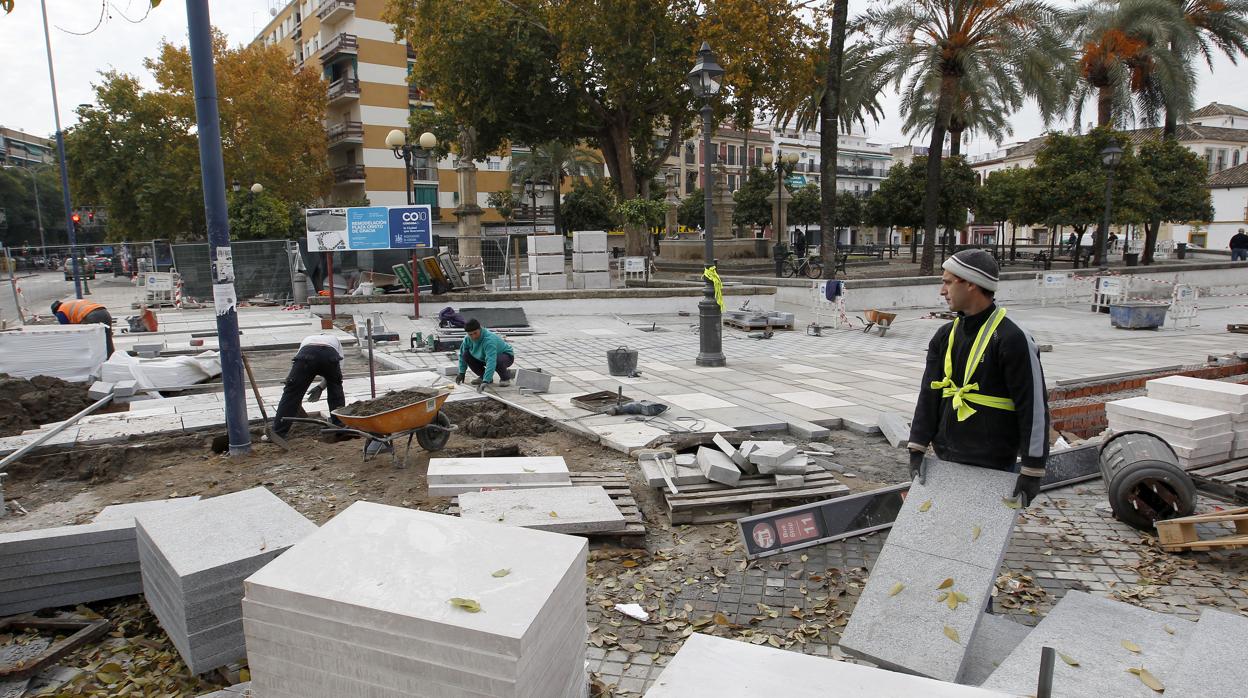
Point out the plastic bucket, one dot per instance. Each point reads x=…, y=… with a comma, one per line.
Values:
x=621, y=361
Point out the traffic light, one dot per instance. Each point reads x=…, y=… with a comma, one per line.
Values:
x=76, y=219
x=90, y=216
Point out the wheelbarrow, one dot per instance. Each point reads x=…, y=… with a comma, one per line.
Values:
x=878, y=318
x=422, y=420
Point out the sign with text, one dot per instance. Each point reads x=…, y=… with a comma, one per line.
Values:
x=821, y=522
x=369, y=228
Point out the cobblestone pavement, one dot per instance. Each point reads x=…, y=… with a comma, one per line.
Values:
x=695, y=579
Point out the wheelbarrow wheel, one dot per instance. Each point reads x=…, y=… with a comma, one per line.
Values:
x=435, y=439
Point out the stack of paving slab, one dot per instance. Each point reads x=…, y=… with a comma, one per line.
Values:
x=1229, y=397
x=725, y=464
x=921, y=609
x=560, y=509
x=590, y=264
x=1199, y=435
x=681, y=468
x=413, y=603
x=69, y=565
x=194, y=560
x=546, y=272
x=723, y=668
x=448, y=477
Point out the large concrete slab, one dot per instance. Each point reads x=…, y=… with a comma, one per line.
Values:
x=792, y=466
x=1166, y=412
x=519, y=470
x=771, y=453
x=718, y=467
x=1215, y=662
x=896, y=428
x=950, y=532
x=996, y=637
x=559, y=509
x=713, y=666
x=1092, y=630
x=128, y=512
x=684, y=475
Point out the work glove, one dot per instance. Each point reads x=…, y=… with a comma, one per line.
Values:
x=459, y=379
x=481, y=386
x=918, y=467
x=315, y=393
x=1026, y=489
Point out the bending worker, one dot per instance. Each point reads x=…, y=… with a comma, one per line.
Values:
x=318, y=355
x=983, y=400
x=485, y=353
x=84, y=312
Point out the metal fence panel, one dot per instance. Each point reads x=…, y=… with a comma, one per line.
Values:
x=261, y=268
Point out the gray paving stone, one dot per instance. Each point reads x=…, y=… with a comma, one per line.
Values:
x=718, y=467
x=80, y=574
x=895, y=427
x=684, y=475
x=744, y=419
x=788, y=482
x=722, y=444
x=99, y=389
x=559, y=509
x=124, y=585
x=1091, y=630
x=68, y=560
x=995, y=638
x=771, y=453
x=793, y=466
x=127, y=512
x=742, y=458
x=478, y=471
x=807, y=430
x=238, y=690
x=1215, y=661
x=723, y=668
x=44, y=539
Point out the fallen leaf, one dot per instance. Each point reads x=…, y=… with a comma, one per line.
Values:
x=952, y=635
x=896, y=589
x=975, y=532
x=1011, y=503
x=1068, y=659
x=553, y=515
x=1131, y=646
x=946, y=584
x=960, y=596
x=940, y=598
x=467, y=604
x=501, y=573
x=952, y=602
x=1148, y=679
x=630, y=647
x=721, y=619
x=244, y=675
x=1168, y=629
x=925, y=506
x=628, y=563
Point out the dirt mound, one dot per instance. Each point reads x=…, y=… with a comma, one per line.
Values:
x=501, y=423
x=389, y=401
x=26, y=404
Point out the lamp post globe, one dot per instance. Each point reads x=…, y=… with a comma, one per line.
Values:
x=395, y=139
x=705, y=80
x=257, y=188
x=428, y=141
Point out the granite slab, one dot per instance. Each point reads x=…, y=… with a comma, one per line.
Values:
x=454, y=471
x=561, y=509
x=1215, y=661
x=771, y=453
x=128, y=512
x=788, y=482
x=1091, y=630
x=793, y=466
x=717, y=467
x=996, y=637
x=896, y=428
x=684, y=475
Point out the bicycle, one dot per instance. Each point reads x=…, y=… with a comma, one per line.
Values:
x=810, y=265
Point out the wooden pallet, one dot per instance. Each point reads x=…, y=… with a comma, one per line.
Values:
x=1181, y=534
x=1228, y=480
x=755, y=494
x=616, y=485
x=750, y=327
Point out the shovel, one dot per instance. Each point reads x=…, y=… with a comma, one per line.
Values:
x=264, y=414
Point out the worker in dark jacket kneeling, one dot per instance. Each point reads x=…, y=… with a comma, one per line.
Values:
x=485, y=353
x=84, y=312
x=982, y=401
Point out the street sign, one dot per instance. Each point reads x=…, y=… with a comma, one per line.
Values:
x=369, y=228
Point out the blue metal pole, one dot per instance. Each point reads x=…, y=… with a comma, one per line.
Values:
x=60, y=147
x=220, y=256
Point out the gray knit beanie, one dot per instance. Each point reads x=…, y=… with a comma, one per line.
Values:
x=976, y=266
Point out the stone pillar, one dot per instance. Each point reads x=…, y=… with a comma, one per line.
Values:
x=671, y=224
x=468, y=215
x=780, y=199
x=723, y=203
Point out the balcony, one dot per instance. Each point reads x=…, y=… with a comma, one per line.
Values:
x=334, y=10
x=862, y=171
x=344, y=89
x=424, y=174
x=349, y=174
x=342, y=45
x=416, y=94
x=347, y=132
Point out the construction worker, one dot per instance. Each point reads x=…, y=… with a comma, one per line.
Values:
x=318, y=355
x=485, y=353
x=84, y=312
x=983, y=400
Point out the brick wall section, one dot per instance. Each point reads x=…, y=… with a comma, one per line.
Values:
x=1087, y=418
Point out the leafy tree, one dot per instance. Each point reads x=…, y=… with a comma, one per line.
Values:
x=505, y=202
x=804, y=208
x=1017, y=45
x=1179, y=194
x=1006, y=196
x=900, y=199
x=691, y=211
x=638, y=216
x=136, y=154
x=589, y=207
x=17, y=199
x=752, y=207
x=1218, y=25
x=863, y=79
x=258, y=216
x=556, y=162
x=848, y=210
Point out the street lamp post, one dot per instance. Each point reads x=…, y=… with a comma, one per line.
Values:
x=704, y=79
x=408, y=153
x=1111, y=155
x=784, y=163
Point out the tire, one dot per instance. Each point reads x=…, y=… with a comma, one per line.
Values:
x=814, y=270
x=790, y=269
x=432, y=440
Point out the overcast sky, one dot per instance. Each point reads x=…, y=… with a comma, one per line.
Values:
x=26, y=104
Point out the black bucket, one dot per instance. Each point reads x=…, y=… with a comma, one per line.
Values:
x=622, y=361
x=1144, y=481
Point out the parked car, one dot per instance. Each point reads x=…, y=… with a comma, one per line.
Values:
x=86, y=269
x=102, y=263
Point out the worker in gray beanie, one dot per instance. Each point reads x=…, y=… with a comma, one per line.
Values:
x=982, y=401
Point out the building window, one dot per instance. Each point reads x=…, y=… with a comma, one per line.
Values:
x=1234, y=158
x=691, y=182
x=690, y=157
x=732, y=181
x=1221, y=159
x=732, y=154
x=758, y=157
x=1209, y=159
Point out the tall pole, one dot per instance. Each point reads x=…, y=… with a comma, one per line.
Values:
x=1104, y=231
x=60, y=148
x=710, y=320
x=220, y=256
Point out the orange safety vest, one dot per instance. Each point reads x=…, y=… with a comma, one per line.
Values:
x=77, y=310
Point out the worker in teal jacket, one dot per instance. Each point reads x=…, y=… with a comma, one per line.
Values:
x=484, y=352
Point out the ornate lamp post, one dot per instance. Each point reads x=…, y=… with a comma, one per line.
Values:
x=705, y=81
x=784, y=163
x=396, y=140
x=1111, y=155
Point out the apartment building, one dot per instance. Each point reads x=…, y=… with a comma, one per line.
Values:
x=21, y=149
x=366, y=80
x=860, y=163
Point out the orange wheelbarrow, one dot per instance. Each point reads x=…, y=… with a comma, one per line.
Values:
x=422, y=420
x=877, y=318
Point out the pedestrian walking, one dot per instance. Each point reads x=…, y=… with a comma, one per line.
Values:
x=1239, y=246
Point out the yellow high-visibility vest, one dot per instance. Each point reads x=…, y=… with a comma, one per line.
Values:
x=968, y=391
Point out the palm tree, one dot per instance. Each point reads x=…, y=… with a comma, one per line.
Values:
x=1013, y=46
x=1217, y=24
x=556, y=162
